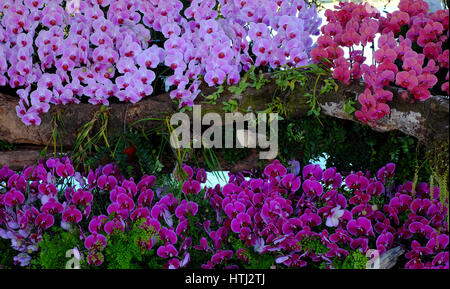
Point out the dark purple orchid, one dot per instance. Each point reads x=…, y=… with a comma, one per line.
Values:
x=186, y=209
x=241, y=220
x=291, y=182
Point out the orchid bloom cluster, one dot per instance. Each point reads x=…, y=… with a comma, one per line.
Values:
x=205, y=46
x=101, y=49
x=273, y=214
x=411, y=49
x=58, y=55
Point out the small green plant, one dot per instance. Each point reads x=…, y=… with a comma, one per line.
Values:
x=6, y=254
x=212, y=98
x=277, y=106
x=255, y=260
x=314, y=107
x=242, y=86
x=231, y=105
x=289, y=78
x=349, y=108
x=295, y=133
x=354, y=260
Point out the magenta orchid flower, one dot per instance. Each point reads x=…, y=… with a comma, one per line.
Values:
x=312, y=188
x=221, y=256
x=97, y=223
x=291, y=182
x=360, y=227
x=185, y=209
x=333, y=218
x=65, y=170
x=95, y=241
x=275, y=170
x=310, y=219
x=81, y=197
x=167, y=251
x=52, y=207
x=13, y=198
x=203, y=246
x=72, y=215
x=44, y=221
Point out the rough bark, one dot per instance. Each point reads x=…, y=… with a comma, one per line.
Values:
x=426, y=120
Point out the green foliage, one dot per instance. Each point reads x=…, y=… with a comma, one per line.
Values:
x=354, y=260
x=256, y=260
x=136, y=152
x=437, y=156
x=5, y=146
x=349, y=108
x=329, y=86
x=230, y=106
x=88, y=142
x=6, y=254
x=292, y=77
x=57, y=127
x=351, y=146
x=313, y=245
x=258, y=80
x=276, y=106
x=289, y=78
x=238, y=90
x=212, y=98
x=53, y=248
x=124, y=250
x=293, y=134
x=232, y=156
x=314, y=108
